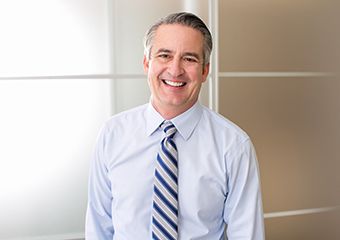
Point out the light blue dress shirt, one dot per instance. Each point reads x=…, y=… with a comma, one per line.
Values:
x=218, y=178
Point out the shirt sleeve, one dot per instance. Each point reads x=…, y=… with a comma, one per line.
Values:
x=98, y=216
x=243, y=212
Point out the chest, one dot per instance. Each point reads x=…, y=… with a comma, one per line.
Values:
x=201, y=175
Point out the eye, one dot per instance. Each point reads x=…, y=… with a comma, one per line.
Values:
x=191, y=59
x=164, y=56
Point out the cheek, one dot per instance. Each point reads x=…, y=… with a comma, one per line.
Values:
x=195, y=71
x=196, y=76
x=154, y=70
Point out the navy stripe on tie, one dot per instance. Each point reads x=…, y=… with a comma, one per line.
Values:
x=161, y=228
x=166, y=201
x=171, y=126
x=167, y=169
x=154, y=237
x=168, y=154
x=172, y=143
x=166, y=217
x=166, y=185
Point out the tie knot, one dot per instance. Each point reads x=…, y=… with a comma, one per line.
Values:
x=169, y=129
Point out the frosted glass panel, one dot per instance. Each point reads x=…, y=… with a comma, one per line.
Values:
x=131, y=93
x=48, y=129
x=54, y=37
x=131, y=24
x=133, y=17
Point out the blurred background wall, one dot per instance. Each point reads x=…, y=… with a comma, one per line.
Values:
x=66, y=66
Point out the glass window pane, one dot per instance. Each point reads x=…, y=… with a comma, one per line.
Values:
x=131, y=93
x=48, y=129
x=132, y=23
x=55, y=37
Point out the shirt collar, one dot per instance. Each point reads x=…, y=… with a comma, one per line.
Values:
x=153, y=119
x=185, y=123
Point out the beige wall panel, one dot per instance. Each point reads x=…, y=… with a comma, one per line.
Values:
x=281, y=35
x=294, y=123
x=304, y=227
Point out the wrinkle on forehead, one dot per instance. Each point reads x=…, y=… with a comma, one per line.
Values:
x=184, y=38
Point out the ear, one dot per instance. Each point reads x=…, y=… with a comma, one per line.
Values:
x=145, y=64
x=205, y=71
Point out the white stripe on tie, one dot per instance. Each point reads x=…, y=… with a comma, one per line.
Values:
x=165, y=200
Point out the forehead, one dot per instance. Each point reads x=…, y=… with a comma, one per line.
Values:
x=177, y=38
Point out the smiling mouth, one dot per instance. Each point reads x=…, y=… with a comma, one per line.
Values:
x=174, y=84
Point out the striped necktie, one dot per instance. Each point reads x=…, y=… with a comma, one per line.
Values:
x=165, y=199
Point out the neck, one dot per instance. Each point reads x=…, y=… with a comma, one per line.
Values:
x=170, y=112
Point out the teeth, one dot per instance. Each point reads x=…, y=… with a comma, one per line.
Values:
x=174, y=84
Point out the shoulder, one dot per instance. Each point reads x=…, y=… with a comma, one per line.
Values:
x=223, y=126
x=232, y=141
x=126, y=119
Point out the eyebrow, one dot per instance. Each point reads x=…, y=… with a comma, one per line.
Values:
x=191, y=54
x=163, y=50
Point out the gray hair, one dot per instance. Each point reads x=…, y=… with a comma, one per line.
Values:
x=186, y=19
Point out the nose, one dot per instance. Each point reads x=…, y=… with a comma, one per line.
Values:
x=175, y=67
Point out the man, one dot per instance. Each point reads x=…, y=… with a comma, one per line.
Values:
x=173, y=169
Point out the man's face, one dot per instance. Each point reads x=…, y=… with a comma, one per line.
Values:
x=175, y=68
